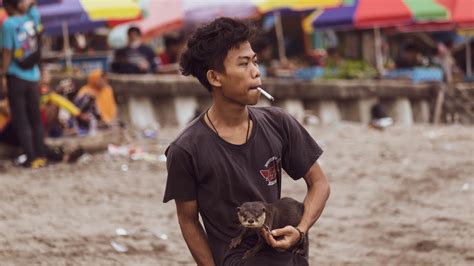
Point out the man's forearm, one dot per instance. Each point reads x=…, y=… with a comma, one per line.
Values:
x=315, y=200
x=196, y=240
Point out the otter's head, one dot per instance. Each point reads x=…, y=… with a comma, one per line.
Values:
x=252, y=214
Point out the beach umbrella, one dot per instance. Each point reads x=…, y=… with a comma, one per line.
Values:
x=71, y=16
x=275, y=7
x=69, y=13
x=375, y=13
x=197, y=12
x=112, y=9
x=267, y=6
x=161, y=16
x=157, y=20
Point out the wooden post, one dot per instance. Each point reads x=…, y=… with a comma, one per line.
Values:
x=439, y=104
x=280, y=37
x=67, y=47
x=468, y=57
x=378, y=51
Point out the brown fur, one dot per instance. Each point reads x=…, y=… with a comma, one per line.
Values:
x=254, y=216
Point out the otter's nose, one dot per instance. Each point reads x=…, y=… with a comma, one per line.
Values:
x=250, y=221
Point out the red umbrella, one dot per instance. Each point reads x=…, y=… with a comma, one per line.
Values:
x=462, y=12
x=376, y=13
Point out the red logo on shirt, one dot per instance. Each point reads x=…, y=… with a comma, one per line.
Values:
x=270, y=174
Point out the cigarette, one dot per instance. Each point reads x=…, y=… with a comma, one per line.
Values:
x=266, y=94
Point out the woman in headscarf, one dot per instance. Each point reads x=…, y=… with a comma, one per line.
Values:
x=97, y=98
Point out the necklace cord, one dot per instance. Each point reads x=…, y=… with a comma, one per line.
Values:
x=217, y=132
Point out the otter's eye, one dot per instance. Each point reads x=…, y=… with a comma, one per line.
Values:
x=238, y=209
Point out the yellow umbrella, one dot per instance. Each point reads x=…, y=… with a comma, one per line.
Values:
x=265, y=6
x=112, y=9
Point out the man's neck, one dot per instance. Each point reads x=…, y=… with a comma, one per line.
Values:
x=228, y=115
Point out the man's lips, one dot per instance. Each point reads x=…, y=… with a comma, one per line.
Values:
x=255, y=87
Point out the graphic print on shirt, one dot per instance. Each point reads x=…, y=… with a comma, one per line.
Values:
x=273, y=169
x=28, y=42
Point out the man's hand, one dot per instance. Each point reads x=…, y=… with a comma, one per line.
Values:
x=282, y=238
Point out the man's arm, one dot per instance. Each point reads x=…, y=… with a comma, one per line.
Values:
x=314, y=202
x=316, y=197
x=193, y=232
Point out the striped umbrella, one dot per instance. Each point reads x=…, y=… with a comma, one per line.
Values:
x=375, y=13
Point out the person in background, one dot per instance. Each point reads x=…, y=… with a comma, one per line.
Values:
x=20, y=75
x=136, y=58
x=168, y=59
x=174, y=45
x=409, y=57
x=333, y=58
x=97, y=98
x=58, y=111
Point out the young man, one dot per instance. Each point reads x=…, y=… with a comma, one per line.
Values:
x=19, y=41
x=234, y=153
x=136, y=58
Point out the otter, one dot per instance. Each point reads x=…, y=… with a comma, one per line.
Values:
x=253, y=216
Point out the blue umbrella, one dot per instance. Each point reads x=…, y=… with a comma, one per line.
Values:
x=339, y=17
x=68, y=12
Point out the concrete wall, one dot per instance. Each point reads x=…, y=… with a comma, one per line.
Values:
x=169, y=100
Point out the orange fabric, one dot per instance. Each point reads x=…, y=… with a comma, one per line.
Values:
x=104, y=96
x=4, y=119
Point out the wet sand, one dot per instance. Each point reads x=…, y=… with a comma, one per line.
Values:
x=400, y=197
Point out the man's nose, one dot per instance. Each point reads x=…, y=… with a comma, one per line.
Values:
x=255, y=71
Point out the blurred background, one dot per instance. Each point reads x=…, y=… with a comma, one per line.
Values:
x=385, y=87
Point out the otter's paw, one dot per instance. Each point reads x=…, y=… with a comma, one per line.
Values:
x=235, y=242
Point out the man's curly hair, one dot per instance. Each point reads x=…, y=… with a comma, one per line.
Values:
x=208, y=47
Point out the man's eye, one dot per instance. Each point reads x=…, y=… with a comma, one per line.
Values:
x=244, y=64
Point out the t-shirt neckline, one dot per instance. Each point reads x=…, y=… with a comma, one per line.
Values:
x=214, y=134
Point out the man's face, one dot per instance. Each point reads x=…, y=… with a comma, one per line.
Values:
x=134, y=38
x=242, y=76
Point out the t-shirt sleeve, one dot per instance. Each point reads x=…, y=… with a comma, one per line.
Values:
x=300, y=151
x=181, y=182
x=7, y=36
x=33, y=12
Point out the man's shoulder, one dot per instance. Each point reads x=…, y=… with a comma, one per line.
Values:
x=268, y=112
x=146, y=48
x=191, y=135
x=10, y=23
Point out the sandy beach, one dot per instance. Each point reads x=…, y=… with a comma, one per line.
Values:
x=404, y=196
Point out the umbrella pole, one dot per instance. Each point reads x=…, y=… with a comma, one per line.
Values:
x=468, y=57
x=378, y=51
x=280, y=38
x=67, y=47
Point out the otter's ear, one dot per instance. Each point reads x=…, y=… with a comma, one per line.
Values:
x=263, y=209
x=238, y=209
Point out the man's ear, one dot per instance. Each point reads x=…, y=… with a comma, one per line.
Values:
x=213, y=78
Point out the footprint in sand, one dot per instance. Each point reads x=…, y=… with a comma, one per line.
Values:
x=425, y=246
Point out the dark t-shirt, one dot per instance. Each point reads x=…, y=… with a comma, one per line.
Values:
x=221, y=176
x=127, y=60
